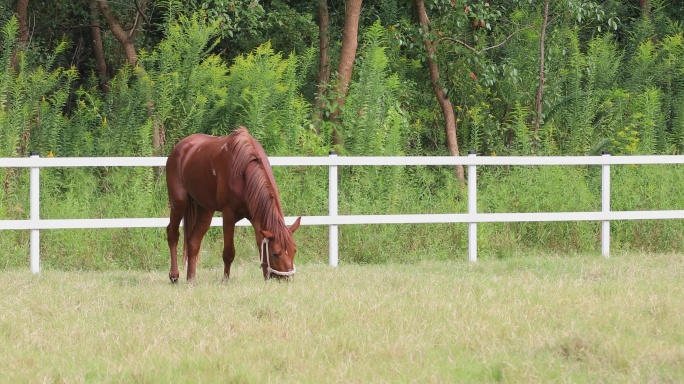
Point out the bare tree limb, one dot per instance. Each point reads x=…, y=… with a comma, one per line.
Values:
x=141, y=12
x=477, y=52
x=120, y=35
x=138, y=14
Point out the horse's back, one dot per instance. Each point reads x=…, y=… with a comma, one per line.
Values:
x=182, y=147
x=202, y=166
x=215, y=144
x=188, y=156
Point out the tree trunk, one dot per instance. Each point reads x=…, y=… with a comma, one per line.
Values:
x=96, y=46
x=540, y=89
x=120, y=35
x=645, y=8
x=445, y=104
x=350, y=34
x=323, y=77
x=22, y=18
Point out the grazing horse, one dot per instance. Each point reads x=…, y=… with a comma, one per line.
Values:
x=230, y=174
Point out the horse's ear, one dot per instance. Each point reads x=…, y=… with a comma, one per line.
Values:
x=294, y=226
x=267, y=234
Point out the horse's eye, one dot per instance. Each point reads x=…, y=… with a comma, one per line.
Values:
x=276, y=255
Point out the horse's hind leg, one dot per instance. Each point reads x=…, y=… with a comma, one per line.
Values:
x=199, y=229
x=172, y=234
x=178, y=201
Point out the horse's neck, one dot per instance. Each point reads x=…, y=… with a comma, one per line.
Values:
x=268, y=215
x=265, y=211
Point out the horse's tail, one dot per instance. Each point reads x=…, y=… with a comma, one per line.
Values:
x=189, y=220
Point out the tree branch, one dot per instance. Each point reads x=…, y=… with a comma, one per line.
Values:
x=119, y=33
x=139, y=12
x=477, y=52
x=113, y=23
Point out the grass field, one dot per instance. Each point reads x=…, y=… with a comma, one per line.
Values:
x=540, y=318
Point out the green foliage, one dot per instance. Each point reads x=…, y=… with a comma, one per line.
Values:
x=603, y=63
x=656, y=77
x=477, y=124
x=263, y=94
x=577, y=108
x=538, y=189
x=672, y=67
x=374, y=124
x=233, y=17
x=522, y=135
x=11, y=131
x=124, y=114
x=31, y=100
x=183, y=84
x=373, y=121
x=622, y=92
x=645, y=188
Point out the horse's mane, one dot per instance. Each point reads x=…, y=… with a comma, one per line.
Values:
x=261, y=193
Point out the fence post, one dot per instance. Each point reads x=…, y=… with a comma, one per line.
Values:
x=472, y=209
x=605, y=207
x=34, y=201
x=332, y=212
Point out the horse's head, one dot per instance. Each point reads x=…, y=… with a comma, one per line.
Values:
x=277, y=253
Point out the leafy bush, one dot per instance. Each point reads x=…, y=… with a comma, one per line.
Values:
x=598, y=98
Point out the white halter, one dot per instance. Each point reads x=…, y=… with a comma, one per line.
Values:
x=263, y=254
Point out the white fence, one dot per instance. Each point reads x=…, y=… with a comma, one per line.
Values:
x=333, y=220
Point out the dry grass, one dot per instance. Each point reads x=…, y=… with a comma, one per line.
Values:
x=524, y=319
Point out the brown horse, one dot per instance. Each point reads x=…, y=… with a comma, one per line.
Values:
x=230, y=174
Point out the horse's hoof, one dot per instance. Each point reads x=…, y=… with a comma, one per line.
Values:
x=174, y=279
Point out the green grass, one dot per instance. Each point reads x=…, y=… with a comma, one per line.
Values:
x=527, y=318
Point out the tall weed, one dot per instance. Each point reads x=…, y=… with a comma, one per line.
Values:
x=181, y=88
x=642, y=188
x=537, y=189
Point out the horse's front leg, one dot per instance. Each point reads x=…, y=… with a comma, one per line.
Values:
x=228, y=245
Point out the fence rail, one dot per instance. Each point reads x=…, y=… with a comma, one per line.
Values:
x=35, y=224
